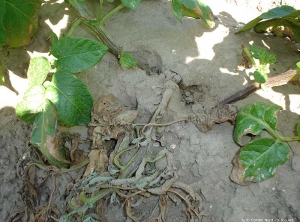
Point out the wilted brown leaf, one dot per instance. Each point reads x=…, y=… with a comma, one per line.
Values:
x=52, y=145
x=237, y=173
x=109, y=119
x=98, y=162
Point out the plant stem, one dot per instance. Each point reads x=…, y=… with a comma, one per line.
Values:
x=119, y=7
x=100, y=12
x=74, y=26
x=101, y=35
x=290, y=139
x=96, y=197
x=248, y=53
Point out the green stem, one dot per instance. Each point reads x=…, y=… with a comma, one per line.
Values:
x=248, y=53
x=75, y=25
x=275, y=134
x=119, y=7
x=100, y=12
x=290, y=139
x=96, y=197
x=101, y=35
x=282, y=138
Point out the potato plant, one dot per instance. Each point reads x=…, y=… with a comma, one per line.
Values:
x=59, y=97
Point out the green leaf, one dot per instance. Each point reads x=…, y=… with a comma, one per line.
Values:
x=186, y=12
x=77, y=54
x=282, y=21
x=2, y=30
x=273, y=13
x=255, y=118
x=249, y=25
x=132, y=4
x=190, y=4
x=80, y=7
x=38, y=70
x=176, y=9
x=127, y=60
x=20, y=21
x=282, y=27
x=262, y=55
x=261, y=158
x=278, y=12
x=71, y=98
x=44, y=135
x=298, y=64
x=260, y=77
x=195, y=9
x=54, y=38
x=205, y=13
x=32, y=103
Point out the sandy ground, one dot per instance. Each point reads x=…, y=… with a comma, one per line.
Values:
x=206, y=60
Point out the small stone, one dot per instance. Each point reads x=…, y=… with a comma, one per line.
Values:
x=177, y=79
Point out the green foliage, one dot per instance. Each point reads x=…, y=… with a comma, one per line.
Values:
x=65, y=98
x=77, y=54
x=38, y=70
x=282, y=21
x=18, y=21
x=31, y=104
x=2, y=30
x=255, y=118
x=70, y=97
x=261, y=157
x=262, y=55
x=44, y=135
x=195, y=9
x=132, y=4
x=127, y=60
x=263, y=62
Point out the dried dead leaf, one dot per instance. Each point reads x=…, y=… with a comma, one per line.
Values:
x=126, y=117
x=109, y=119
x=52, y=145
x=237, y=173
x=98, y=162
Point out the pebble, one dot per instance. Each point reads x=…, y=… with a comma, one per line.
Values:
x=177, y=79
